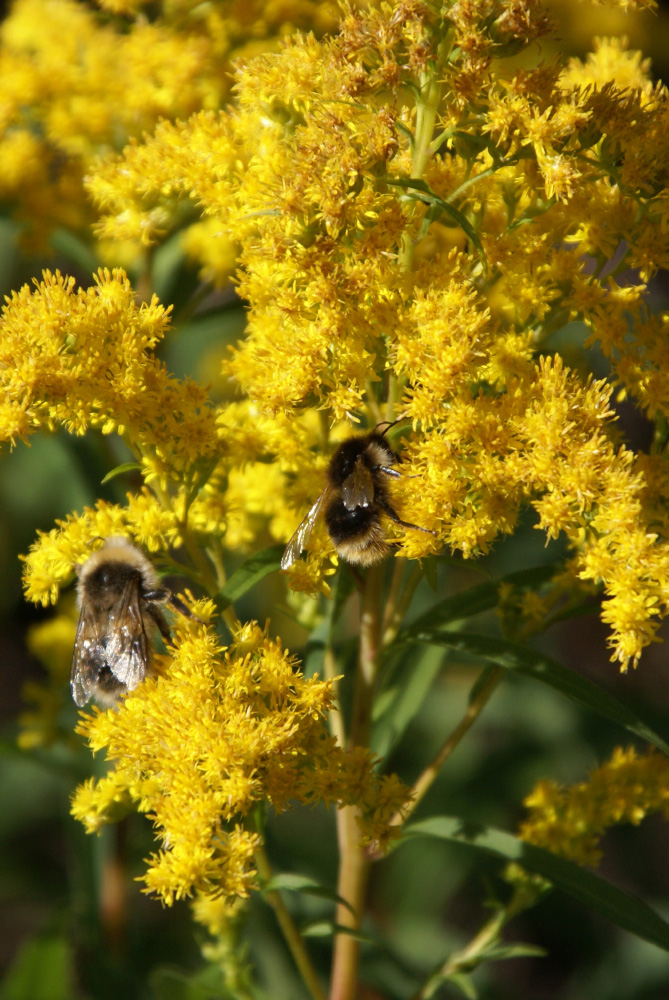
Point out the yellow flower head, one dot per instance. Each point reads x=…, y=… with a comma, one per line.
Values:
x=218, y=732
x=77, y=85
x=333, y=186
x=571, y=821
x=80, y=358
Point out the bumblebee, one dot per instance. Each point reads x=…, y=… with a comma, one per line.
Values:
x=119, y=596
x=353, y=501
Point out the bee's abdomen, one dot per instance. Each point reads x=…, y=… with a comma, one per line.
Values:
x=356, y=533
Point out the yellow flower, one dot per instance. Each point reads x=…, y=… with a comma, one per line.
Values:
x=218, y=732
x=571, y=821
x=77, y=86
x=84, y=358
x=330, y=183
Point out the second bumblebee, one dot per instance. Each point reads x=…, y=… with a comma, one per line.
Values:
x=355, y=497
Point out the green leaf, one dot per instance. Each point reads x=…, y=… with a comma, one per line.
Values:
x=516, y=950
x=432, y=215
x=121, y=469
x=326, y=928
x=406, y=131
x=260, y=565
x=474, y=600
x=461, y=977
x=530, y=663
x=398, y=703
x=300, y=883
x=42, y=971
x=464, y=983
x=428, y=197
x=621, y=908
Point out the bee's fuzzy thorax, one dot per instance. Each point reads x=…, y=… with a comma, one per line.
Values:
x=378, y=452
x=117, y=549
x=372, y=448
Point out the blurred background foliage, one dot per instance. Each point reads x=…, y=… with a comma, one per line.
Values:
x=75, y=925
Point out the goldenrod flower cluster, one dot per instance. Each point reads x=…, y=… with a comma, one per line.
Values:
x=79, y=358
x=414, y=216
x=77, y=84
x=571, y=821
x=197, y=748
x=433, y=244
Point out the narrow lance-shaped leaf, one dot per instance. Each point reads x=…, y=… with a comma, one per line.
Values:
x=291, y=882
x=430, y=198
x=531, y=663
x=119, y=470
x=621, y=908
x=398, y=703
x=325, y=928
x=260, y=565
x=474, y=600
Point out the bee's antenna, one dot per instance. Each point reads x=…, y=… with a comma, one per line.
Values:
x=388, y=424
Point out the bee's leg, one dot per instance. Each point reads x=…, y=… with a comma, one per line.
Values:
x=395, y=473
x=387, y=509
x=159, y=618
x=183, y=609
x=163, y=595
x=387, y=424
x=160, y=595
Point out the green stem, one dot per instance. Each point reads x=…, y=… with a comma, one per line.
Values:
x=475, y=952
x=474, y=179
x=439, y=141
x=368, y=657
x=427, y=109
x=335, y=719
x=476, y=705
x=474, y=709
x=352, y=886
x=353, y=863
x=392, y=599
x=469, y=956
x=324, y=429
x=395, y=614
x=290, y=932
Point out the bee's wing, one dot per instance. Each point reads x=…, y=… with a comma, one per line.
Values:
x=304, y=529
x=358, y=489
x=88, y=658
x=84, y=671
x=115, y=641
x=127, y=646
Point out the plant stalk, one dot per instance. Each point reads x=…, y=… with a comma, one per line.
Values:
x=293, y=938
x=476, y=705
x=353, y=860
